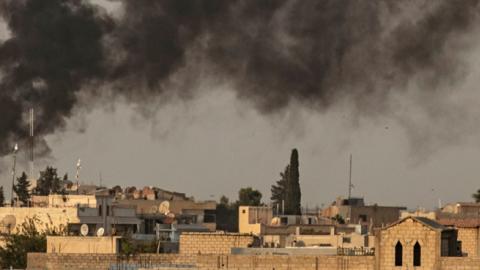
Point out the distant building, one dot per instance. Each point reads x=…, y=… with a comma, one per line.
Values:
x=468, y=234
x=462, y=208
x=299, y=231
x=418, y=213
x=354, y=211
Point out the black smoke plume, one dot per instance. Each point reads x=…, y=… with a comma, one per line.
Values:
x=273, y=52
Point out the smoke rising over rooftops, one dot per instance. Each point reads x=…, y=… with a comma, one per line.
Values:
x=316, y=53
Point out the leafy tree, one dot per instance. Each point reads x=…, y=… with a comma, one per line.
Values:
x=49, y=182
x=279, y=190
x=476, y=196
x=227, y=215
x=339, y=219
x=13, y=253
x=293, y=194
x=21, y=189
x=2, y=197
x=249, y=196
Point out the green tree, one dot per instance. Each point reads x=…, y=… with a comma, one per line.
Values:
x=21, y=189
x=293, y=194
x=2, y=197
x=279, y=190
x=227, y=215
x=476, y=196
x=49, y=182
x=249, y=196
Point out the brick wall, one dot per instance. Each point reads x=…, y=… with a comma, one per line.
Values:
x=469, y=238
x=212, y=243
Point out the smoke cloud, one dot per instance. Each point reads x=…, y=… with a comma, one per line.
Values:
x=316, y=53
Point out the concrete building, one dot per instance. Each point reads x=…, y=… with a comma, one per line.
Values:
x=461, y=208
x=187, y=212
x=468, y=234
x=354, y=211
x=66, y=213
x=418, y=213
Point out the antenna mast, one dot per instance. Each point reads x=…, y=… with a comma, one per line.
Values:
x=32, y=145
x=350, y=186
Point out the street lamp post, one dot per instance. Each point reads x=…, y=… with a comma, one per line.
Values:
x=15, y=150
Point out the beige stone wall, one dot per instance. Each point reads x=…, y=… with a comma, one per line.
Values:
x=212, y=243
x=45, y=217
x=56, y=200
x=469, y=238
x=52, y=261
x=81, y=244
x=459, y=263
x=203, y=262
x=408, y=232
x=251, y=219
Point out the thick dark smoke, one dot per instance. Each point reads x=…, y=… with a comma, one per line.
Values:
x=273, y=52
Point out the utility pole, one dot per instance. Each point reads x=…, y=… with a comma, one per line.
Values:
x=350, y=186
x=77, y=176
x=15, y=150
x=32, y=143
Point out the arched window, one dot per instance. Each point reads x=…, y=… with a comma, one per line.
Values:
x=417, y=254
x=398, y=254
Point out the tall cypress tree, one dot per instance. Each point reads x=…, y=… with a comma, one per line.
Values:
x=21, y=189
x=293, y=193
x=2, y=197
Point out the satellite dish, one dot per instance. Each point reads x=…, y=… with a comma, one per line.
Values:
x=84, y=229
x=100, y=231
x=164, y=207
x=275, y=221
x=9, y=221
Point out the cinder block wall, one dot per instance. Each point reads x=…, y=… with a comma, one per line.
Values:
x=212, y=243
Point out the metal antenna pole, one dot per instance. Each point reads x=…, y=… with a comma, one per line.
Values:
x=350, y=179
x=15, y=150
x=32, y=143
x=77, y=176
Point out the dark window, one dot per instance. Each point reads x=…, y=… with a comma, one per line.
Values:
x=100, y=210
x=347, y=240
x=398, y=254
x=417, y=254
x=284, y=220
x=362, y=218
x=209, y=216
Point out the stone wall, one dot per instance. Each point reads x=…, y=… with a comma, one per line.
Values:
x=37, y=261
x=83, y=244
x=282, y=262
x=459, y=263
x=45, y=261
x=55, y=261
x=212, y=243
x=469, y=238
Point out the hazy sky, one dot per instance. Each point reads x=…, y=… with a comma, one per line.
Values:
x=216, y=143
